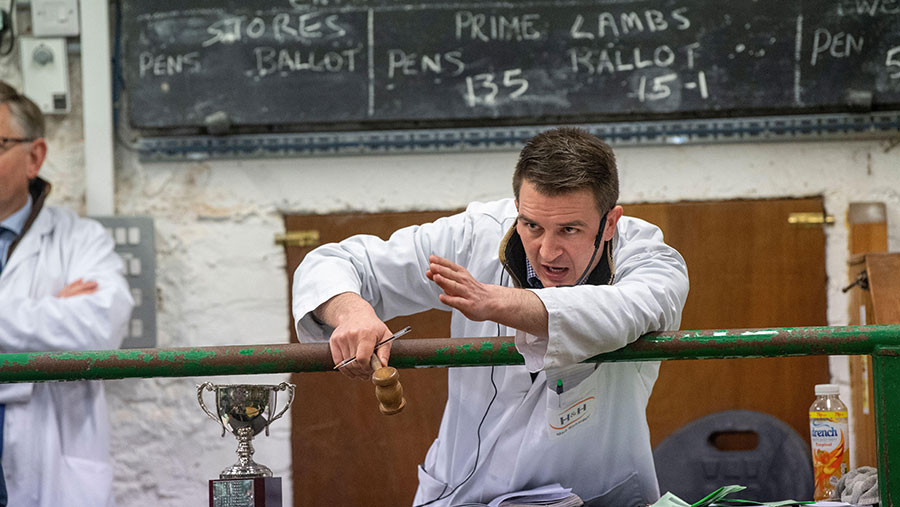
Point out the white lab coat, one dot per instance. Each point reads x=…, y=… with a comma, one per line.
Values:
x=56, y=434
x=608, y=455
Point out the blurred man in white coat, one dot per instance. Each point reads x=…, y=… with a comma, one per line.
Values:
x=559, y=267
x=61, y=288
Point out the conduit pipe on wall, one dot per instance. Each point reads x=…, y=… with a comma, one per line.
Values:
x=97, y=118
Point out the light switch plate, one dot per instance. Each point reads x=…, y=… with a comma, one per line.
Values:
x=54, y=18
x=45, y=73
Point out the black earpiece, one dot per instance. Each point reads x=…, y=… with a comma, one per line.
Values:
x=442, y=495
x=598, y=239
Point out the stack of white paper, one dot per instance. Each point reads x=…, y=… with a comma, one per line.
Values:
x=550, y=495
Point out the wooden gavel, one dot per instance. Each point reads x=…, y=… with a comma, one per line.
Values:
x=388, y=389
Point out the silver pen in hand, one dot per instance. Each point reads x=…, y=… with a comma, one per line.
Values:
x=393, y=337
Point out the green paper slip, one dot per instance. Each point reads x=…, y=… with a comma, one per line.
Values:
x=717, y=495
x=670, y=500
x=717, y=499
x=736, y=502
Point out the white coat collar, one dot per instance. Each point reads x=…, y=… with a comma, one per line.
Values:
x=31, y=242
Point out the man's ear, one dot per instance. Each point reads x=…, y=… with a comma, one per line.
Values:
x=36, y=156
x=611, y=220
x=517, y=205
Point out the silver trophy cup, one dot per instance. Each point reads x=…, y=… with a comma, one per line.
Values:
x=245, y=410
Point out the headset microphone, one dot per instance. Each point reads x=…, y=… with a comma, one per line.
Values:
x=597, y=241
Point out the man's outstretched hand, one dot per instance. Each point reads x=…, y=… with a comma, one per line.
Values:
x=516, y=308
x=462, y=291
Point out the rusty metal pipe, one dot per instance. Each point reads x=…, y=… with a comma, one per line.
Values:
x=290, y=358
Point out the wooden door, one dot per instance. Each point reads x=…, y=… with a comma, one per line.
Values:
x=748, y=268
x=344, y=451
x=868, y=235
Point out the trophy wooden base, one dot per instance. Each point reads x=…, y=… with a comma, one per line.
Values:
x=245, y=492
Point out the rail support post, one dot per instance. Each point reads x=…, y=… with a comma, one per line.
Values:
x=886, y=372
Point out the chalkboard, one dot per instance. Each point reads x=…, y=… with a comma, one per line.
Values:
x=222, y=66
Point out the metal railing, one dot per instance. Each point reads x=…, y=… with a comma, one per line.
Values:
x=881, y=342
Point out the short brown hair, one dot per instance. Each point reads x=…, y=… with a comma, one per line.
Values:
x=25, y=113
x=564, y=160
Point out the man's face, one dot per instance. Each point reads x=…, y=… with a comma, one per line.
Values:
x=558, y=232
x=19, y=162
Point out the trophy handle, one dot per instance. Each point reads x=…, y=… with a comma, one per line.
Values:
x=290, y=389
x=209, y=386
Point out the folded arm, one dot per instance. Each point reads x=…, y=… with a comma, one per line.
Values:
x=89, y=313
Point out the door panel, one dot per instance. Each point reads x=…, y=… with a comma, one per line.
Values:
x=344, y=451
x=748, y=268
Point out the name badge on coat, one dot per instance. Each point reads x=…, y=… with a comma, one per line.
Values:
x=572, y=398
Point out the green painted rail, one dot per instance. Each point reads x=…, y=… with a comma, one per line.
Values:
x=882, y=342
x=310, y=357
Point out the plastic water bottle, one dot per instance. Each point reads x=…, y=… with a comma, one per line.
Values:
x=829, y=434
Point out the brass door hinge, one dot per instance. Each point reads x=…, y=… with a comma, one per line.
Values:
x=298, y=238
x=810, y=218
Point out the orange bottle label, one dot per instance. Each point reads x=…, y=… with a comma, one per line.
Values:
x=829, y=434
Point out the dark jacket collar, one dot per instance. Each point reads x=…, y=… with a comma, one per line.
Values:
x=39, y=189
x=512, y=256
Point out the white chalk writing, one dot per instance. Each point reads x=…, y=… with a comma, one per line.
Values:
x=490, y=27
x=839, y=45
x=483, y=88
x=306, y=26
x=660, y=87
x=893, y=60
x=307, y=4
x=408, y=64
x=875, y=7
x=168, y=64
x=271, y=60
x=608, y=23
x=613, y=59
x=283, y=26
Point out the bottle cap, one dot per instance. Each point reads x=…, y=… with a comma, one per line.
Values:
x=824, y=389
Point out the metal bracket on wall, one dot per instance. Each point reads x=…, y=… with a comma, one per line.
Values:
x=646, y=133
x=134, y=239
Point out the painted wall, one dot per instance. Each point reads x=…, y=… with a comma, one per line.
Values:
x=221, y=279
